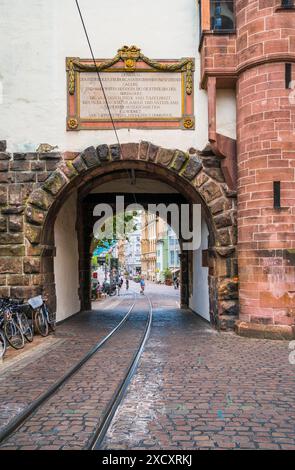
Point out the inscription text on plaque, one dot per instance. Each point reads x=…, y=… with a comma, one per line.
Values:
x=143, y=94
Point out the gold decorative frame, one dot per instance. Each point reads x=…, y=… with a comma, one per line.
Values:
x=133, y=60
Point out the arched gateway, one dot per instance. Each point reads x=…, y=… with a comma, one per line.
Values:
x=197, y=178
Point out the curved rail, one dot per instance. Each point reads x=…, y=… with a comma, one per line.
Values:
x=18, y=420
x=98, y=437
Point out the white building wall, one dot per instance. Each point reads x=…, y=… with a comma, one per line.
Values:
x=199, y=301
x=66, y=260
x=226, y=113
x=36, y=37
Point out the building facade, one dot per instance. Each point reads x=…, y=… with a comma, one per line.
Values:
x=149, y=232
x=133, y=249
x=233, y=155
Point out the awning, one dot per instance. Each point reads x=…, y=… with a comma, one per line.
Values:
x=175, y=270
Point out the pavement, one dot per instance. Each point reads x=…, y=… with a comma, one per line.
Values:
x=195, y=388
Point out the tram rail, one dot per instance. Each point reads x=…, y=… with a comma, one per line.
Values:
x=99, y=433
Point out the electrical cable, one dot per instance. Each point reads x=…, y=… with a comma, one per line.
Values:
x=102, y=88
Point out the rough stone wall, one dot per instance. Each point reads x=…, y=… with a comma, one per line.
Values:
x=266, y=153
x=20, y=263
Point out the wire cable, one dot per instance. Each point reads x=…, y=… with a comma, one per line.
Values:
x=97, y=71
x=103, y=90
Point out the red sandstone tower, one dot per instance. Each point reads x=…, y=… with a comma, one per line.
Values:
x=256, y=55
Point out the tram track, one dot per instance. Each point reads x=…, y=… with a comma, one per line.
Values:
x=99, y=431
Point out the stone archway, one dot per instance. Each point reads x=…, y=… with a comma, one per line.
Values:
x=198, y=176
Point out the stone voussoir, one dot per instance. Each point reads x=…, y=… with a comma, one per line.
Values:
x=223, y=220
x=41, y=199
x=130, y=151
x=179, y=160
x=165, y=156
x=33, y=233
x=68, y=169
x=115, y=151
x=56, y=181
x=90, y=157
x=103, y=152
x=143, y=149
x=211, y=191
x=220, y=205
x=152, y=152
x=200, y=179
x=192, y=168
x=79, y=164
x=34, y=215
x=215, y=173
x=224, y=236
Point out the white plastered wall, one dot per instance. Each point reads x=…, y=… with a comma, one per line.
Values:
x=226, y=112
x=37, y=35
x=199, y=301
x=66, y=260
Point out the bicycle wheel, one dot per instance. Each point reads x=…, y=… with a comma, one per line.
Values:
x=41, y=323
x=14, y=334
x=2, y=345
x=50, y=318
x=26, y=327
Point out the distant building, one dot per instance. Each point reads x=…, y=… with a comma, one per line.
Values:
x=173, y=252
x=160, y=248
x=133, y=250
x=148, y=245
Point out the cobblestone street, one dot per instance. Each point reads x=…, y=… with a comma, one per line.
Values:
x=195, y=388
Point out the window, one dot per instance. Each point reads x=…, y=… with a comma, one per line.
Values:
x=288, y=76
x=277, y=194
x=222, y=15
x=287, y=3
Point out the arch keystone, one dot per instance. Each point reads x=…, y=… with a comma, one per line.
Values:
x=130, y=151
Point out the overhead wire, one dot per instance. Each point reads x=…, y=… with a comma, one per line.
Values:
x=131, y=178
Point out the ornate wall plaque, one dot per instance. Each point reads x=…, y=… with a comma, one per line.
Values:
x=141, y=93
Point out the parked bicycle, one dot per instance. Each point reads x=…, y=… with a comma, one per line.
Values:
x=42, y=316
x=19, y=320
x=2, y=344
x=10, y=324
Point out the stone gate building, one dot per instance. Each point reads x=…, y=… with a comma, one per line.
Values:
x=232, y=150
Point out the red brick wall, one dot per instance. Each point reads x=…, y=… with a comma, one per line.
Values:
x=218, y=55
x=266, y=153
x=264, y=32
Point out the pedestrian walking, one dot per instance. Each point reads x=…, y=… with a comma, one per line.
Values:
x=142, y=285
x=127, y=284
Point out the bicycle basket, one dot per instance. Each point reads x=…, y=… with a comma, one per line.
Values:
x=35, y=302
